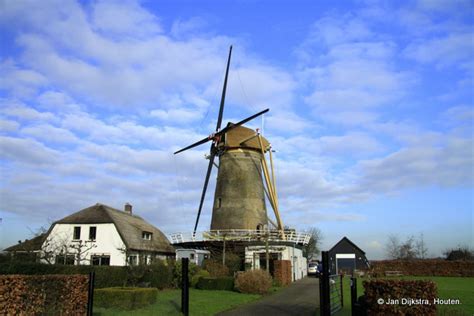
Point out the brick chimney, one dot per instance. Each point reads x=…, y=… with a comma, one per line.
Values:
x=128, y=208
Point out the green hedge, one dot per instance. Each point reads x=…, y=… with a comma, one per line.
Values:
x=222, y=283
x=159, y=274
x=200, y=274
x=125, y=297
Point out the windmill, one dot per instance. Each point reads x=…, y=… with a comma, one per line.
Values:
x=243, y=178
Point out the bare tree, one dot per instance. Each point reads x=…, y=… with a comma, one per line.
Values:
x=407, y=249
x=420, y=246
x=410, y=249
x=312, y=249
x=393, y=247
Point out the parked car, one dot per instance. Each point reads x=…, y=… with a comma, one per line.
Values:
x=313, y=269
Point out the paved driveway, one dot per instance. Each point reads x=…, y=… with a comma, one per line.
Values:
x=300, y=298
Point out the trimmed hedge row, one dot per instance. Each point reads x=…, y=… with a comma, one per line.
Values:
x=43, y=294
x=424, y=267
x=159, y=274
x=125, y=297
x=400, y=297
x=221, y=284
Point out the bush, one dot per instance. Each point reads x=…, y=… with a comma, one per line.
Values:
x=216, y=268
x=400, y=290
x=221, y=284
x=233, y=262
x=160, y=275
x=124, y=297
x=192, y=270
x=253, y=282
x=198, y=275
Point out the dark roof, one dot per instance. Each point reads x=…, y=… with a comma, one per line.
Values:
x=33, y=244
x=130, y=227
x=345, y=239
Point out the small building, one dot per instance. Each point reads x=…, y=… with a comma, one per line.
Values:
x=196, y=256
x=102, y=235
x=346, y=256
x=28, y=250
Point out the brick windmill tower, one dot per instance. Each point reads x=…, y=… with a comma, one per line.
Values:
x=243, y=178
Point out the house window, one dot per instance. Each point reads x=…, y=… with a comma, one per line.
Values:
x=100, y=260
x=92, y=232
x=191, y=256
x=133, y=260
x=146, y=235
x=219, y=203
x=65, y=259
x=77, y=233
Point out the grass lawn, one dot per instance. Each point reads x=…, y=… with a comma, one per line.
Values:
x=461, y=288
x=201, y=302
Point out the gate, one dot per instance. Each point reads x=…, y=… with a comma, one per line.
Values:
x=330, y=289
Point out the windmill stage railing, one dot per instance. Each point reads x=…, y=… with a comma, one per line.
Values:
x=242, y=235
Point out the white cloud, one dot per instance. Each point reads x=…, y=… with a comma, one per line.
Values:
x=124, y=19
x=443, y=51
x=50, y=134
x=23, y=112
x=19, y=82
x=8, y=125
x=27, y=151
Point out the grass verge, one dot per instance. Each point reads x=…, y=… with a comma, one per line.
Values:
x=201, y=302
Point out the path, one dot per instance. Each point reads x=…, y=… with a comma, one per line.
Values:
x=300, y=298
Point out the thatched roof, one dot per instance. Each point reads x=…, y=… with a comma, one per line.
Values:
x=30, y=245
x=130, y=227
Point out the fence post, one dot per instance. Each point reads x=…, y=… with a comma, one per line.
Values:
x=324, y=286
x=342, y=289
x=90, y=294
x=184, y=286
x=353, y=296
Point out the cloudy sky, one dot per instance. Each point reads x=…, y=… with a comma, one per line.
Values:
x=371, y=111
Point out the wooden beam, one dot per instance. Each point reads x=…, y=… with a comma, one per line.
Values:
x=270, y=186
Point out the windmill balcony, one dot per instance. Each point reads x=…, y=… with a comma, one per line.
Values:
x=290, y=236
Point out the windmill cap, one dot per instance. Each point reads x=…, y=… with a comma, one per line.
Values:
x=241, y=137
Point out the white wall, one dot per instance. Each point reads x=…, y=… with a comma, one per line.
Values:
x=108, y=241
x=299, y=268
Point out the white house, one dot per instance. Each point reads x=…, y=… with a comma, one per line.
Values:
x=102, y=235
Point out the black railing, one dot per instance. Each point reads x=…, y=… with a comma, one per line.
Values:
x=330, y=289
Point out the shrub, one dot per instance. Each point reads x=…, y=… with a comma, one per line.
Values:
x=198, y=275
x=124, y=297
x=160, y=275
x=216, y=268
x=253, y=282
x=400, y=290
x=192, y=270
x=233, y=262
x=221, y=284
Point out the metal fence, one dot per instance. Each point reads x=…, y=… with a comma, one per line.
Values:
x=336, y=298
x=331, y=297
x=242, y=235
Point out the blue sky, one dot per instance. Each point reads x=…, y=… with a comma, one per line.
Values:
x=371, y=111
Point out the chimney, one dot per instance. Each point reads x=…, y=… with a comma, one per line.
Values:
x=128, y=208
